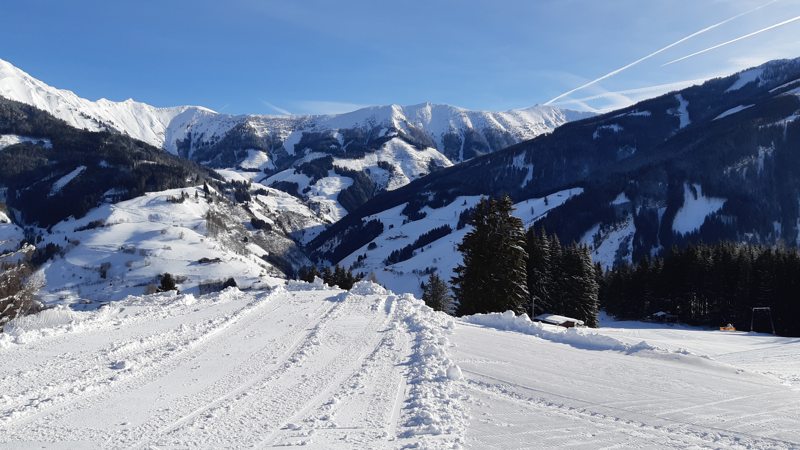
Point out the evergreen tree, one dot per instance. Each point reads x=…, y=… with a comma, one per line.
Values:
x=435, y=294
x=308, y=273
x=167, y=283
x=493, y=276
x=539, y=271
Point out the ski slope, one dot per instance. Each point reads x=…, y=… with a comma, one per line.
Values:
x=306, y=365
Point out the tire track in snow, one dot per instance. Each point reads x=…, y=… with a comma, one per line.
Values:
x=148, y=366
x=275, y=399
x=258, y=369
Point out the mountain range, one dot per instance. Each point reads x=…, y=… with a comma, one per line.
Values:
x=712, y=162
x=403, y=142
x=388, y=189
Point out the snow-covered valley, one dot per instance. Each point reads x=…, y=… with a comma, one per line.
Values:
x=306, y=365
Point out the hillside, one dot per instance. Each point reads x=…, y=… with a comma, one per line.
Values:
x=50, y=170
x=710, y=162
x=321, y=368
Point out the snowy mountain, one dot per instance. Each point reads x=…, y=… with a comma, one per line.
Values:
x=708, y=163
x=109, y=214
x=396, y=144
x=305, y=365
x=138, y=120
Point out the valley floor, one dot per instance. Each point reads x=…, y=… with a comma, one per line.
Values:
x=303, y=365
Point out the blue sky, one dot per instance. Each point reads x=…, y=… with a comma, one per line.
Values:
x=314, y=56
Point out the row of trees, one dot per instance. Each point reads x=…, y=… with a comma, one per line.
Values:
x=710, y=285
x=562, y=279
x=505, y=268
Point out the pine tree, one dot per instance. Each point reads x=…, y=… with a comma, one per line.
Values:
x=435, y=294
x=539, y=271
x=308, y=273
x=493, y=276
x=167, y=283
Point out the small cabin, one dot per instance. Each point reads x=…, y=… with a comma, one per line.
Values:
x=562, y=321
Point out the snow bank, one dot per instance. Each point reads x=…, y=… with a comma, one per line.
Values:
x=316, y=285
x=368, y=288
x=576, y=337
x=435, y=402
x=52, y=322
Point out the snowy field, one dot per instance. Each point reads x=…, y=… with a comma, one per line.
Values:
x=304, y=365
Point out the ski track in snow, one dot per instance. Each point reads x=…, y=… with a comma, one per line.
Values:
x=307, y=365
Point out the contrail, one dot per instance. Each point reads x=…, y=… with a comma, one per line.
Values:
x=646, y=57
x=642, y=90
x=276, y=108
x=785, y=22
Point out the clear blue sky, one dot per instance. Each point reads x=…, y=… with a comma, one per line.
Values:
x=306, y=56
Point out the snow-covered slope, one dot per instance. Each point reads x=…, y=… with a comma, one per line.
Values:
x=139, y=120
x=440, y=255
x=120, y=249
x=683, y=167
x=305, y=365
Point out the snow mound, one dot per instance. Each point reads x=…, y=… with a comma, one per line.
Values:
x=316, y=285
x=435, y=398
x=368, y=288
x=52, y=322
x=576, y=337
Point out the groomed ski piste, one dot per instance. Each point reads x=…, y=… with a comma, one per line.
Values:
x=307, y=365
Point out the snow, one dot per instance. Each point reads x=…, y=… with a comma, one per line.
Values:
x=441, y=254
x=291, y=141
x=754, y=352
x=65, y=180
x=10, y=235
x=256, y=159
x=612, y=243
x=519, y=163
x=409, y=163
x=599, y=131
x=620, y=199
x=745, y=78
x=733, y=110
x=138, y=240
x=313, y=366
x=637, y=113
x=590, y=388
x=682, y=112
x=696, y=207
x=533, y=209
x=326, y=191
x=12, y=139
x=317, y=367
